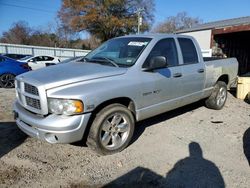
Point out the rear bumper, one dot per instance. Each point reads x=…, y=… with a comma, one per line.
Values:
x=52, y=128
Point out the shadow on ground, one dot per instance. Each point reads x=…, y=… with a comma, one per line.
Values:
x=10, y=137
x=246, y=144
x=141, y=126
x=233, y=91
x=193, y=171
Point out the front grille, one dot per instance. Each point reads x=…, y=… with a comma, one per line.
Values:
x=31, y=89
x=34, y=103
x=31, y=97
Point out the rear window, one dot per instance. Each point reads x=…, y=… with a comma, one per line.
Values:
x=188, y=50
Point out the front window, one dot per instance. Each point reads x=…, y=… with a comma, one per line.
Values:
x=38, y=58
x=165, y=48
x=122, y=52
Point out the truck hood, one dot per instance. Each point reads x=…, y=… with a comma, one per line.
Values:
x=68, y=73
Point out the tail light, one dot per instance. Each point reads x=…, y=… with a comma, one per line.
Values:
x=25, y=66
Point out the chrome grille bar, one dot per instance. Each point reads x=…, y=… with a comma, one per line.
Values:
x=31, y=89
x=34, y=103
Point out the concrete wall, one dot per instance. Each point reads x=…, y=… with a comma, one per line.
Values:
x=202, y=37
x=62, y=53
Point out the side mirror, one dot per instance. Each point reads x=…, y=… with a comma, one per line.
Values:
x=31, y=60
x=157, y=62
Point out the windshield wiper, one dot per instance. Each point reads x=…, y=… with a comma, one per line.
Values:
x=84, y=59
x=104, y=59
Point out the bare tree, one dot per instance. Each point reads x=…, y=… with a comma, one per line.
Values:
x=91, y=43
x=175, y=23
x=19, y=33
x=51, y=35
x=43, y=39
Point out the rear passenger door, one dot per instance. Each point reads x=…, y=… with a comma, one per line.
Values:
x=193, y=71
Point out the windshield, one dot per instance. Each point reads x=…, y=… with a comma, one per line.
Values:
x=119, y=52
x=26, y=57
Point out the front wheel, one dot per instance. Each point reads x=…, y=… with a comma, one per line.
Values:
x=7, y=81
x=111, y=130
x=218, y=97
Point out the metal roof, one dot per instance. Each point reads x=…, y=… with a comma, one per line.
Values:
x=218, y=24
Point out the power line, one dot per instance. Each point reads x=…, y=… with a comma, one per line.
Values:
x=29, y=2
x=32, y=3
x=34, y=9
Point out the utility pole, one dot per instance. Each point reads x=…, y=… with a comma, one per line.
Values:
x=139, y=17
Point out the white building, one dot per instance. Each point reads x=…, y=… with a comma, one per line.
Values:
x=232, y=36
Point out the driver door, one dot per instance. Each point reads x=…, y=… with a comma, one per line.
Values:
x=162, y=87
x=36, y=63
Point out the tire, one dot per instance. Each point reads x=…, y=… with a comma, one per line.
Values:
x=111, y=130
x=218, y=97
x=7, y=80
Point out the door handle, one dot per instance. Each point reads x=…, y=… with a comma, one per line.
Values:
x=200, y=71
x=177, y=75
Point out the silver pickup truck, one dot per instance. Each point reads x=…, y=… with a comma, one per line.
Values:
x=125, y=80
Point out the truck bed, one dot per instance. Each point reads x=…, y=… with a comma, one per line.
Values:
x=216, y=67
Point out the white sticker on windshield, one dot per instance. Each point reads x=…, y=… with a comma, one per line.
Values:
x=134, y=43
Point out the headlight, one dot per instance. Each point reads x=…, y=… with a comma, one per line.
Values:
x=65, y=106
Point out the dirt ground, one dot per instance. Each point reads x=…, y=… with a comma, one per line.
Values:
x=188, y=147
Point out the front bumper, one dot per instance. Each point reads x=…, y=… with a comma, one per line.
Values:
x=52, y=128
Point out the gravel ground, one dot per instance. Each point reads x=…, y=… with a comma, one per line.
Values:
x=188, y=147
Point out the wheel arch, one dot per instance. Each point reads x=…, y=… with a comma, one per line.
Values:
x=2, y=73
x=224, y=78
x=129, y=103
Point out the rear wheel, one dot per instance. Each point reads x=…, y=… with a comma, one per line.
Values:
x=218, y=97
x=7, y=80
x=111, y=130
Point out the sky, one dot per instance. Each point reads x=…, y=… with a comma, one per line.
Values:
x=39, y=14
